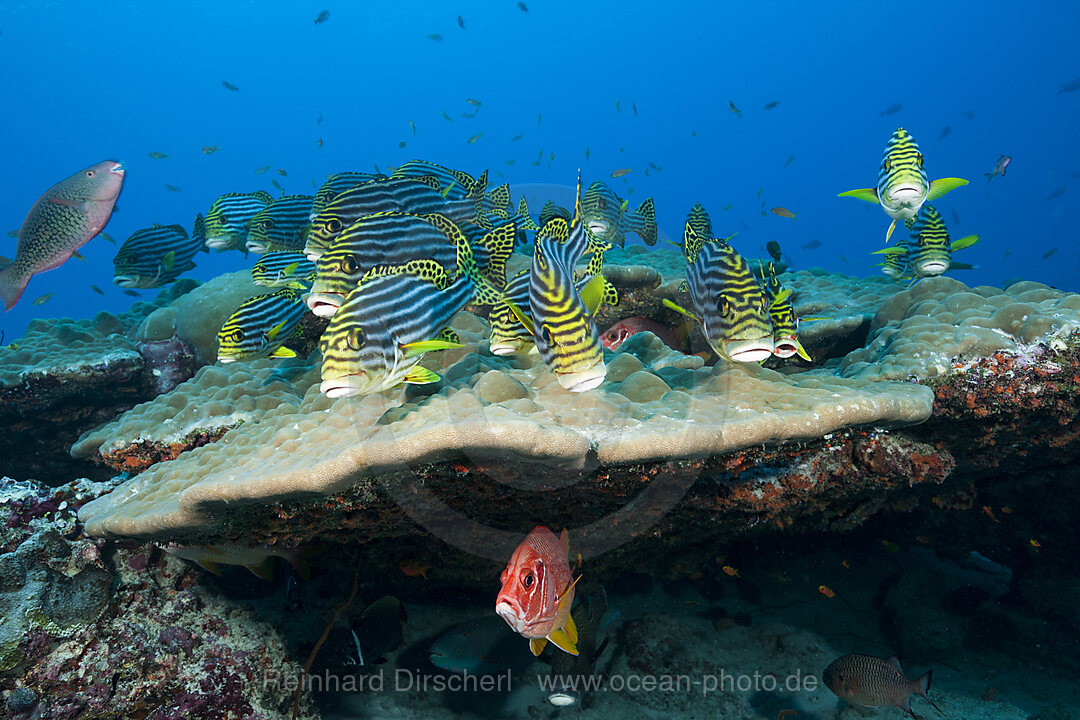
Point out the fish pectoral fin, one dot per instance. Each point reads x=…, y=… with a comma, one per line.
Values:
x=283, y=352
x=273, y=332
x=889, y=232
x=426, y=346
x=867, y=194
x=964, y=242
x=801, y=351
x=894, y=250
x=521, y=316
x=571, y=630
x=418, y=375
x=592, y=295
x=943, y=185
x=681, y=310
x=961, y=266
x=782, y=296
x=264, y=570
x=536, y=645
x=561, y=640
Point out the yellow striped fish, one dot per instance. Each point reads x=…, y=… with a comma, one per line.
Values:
x=226, y=223
x=284, y=269
x=894, y=263
x=260, y=327
x=281, y=226
x=902, y=185
x=929, y=250
x=728, y=302
x=785, y=323
x=560, y=317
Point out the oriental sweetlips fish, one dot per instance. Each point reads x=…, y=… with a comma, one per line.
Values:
x=65, y=218
x=284, y=269
x=229, y=217
x=280, y=226
x=873, y=682
x=335, y=185
x=728, y=302
x=929, y=249
x=156, y=256
x=538, y=592
x=389, y=238
x=260, y=327
x=608, y=217
x=902, y=185
x=785, y=323
x=397, y=313
x=561, y=317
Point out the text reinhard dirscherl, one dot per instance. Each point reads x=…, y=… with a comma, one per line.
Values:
x=406, y=680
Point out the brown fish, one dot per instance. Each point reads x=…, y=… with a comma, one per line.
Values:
x=620, y=172
x=229, y=86
x=64, y=219
x=783, y=212
x=873, y=682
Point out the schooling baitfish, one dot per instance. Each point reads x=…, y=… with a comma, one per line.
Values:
x=64, y=219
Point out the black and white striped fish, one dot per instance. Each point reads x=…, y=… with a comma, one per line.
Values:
x=281, y=226
x=156, y=256
x=727, y=300
x=230, y=215
x=902, y=185
x=390, y=238
x=260, y=327
x=284, y=269
x=609, y=218
x=335, y=185
x=405, y=195
x=397, y=313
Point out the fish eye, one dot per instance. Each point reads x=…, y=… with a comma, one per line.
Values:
x=237, y=335
x=333, y=225
x=887, y=164
x=349, y=264
x=89, y=173
x=612, y=336
x=355, y=339
x=527, y=581
x=723, y=306
x=919, y=159
x=267, y=224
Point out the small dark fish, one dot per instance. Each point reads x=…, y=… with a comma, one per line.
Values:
x=944, y=132
x=43, y=299
x=461, y=22
x=620, y=172
x=1072, y=86
x=771, y=105
x=171, y=188
x=276, y=184
x=474, y=138
x=447, y=117
x=731, y=106
x=1055, y=193
x=322, y=17
x=539, y=117
x=516, y=138
x=282, y=172
x=633, y=106
x=790, y=159
x=107, y=236
x=402, y=144
x=812, y=245
x=1049, y=252
x=468, y=116
x=653, y=165
x=435, y=36
x=157, y=155
x=523, y=7
x=784, y=212
x=96, y=289
x=892, y=109
x=319, y=142
x=411, y=125
x=1000, y=167
x=773, y=248
x=229, y=86
x=618, y=108
x=263, y=169
x=210, y=149
x=474, y=102
x=318, y=120
x=969, y=114
x=15, y=233
x=587, y=156
x=132, y=293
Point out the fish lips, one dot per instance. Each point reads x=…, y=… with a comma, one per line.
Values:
x=511, y=613
x=324, y=304
x=257, y=247
x=344, y=386
x=312, y=255
x=584, y=379
x=219, y=242
x=907, y=196
x=931, y=268
x=749, y=351
x=785, y=348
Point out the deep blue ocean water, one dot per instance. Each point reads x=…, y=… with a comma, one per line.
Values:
x=89, y=81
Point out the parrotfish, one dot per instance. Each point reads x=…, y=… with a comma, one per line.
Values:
x=728, y=302
x=538, y=592
x=259, y=560
x=608, y=218
x=903, y=186
x=280, y=226
x=260, y=327
x=873, y=682
x=64, y=219
x=155, y=256
x=229, y=218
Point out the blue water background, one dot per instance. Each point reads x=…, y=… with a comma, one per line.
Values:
x=89, y=81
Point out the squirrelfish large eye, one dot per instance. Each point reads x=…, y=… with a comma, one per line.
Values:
x=527, y=580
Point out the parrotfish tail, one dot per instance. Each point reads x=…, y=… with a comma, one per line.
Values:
x=646, y=222
x=12, y=286
x=921, y=687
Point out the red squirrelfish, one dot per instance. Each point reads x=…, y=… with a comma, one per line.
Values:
x=64, y=219
x=873, y=682
x=621, y=331
x=538, y=590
